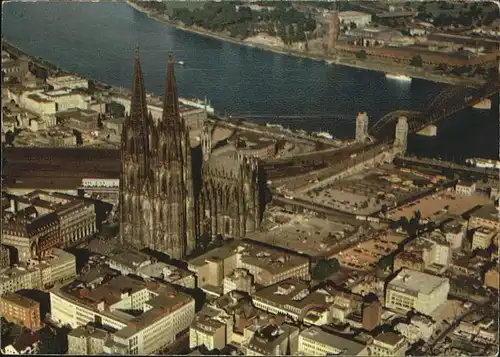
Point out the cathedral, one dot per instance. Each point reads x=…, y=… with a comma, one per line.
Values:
x=169, y=196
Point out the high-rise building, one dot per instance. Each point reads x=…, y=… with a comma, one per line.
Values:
x=361, y=127
x=401, y=139
x=162, y=206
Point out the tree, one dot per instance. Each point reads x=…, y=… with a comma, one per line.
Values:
x=416, y=61
x=324, y=268
x=385, y=262
x=361, y=55
x=116, y=110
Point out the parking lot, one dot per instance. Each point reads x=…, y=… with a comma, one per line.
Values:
x=368, y=192
x=439, y=206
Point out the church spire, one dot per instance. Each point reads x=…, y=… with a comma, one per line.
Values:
x=170, y=100
x=138, y=105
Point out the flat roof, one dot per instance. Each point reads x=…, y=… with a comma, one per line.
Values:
x=167, y=300
x=267, y=258
x=417, y=281
x=390, y=338
x=19, y=300
x=486, y=212
x=347, y=346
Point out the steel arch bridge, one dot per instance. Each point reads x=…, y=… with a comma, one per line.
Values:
x=450, y=101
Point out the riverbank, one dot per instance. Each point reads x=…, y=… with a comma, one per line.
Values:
x=352, y=62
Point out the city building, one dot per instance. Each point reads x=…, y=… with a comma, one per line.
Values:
x=465, y=188
x=416, y=290
x=273, y=340
x=294, y=298
x=15, y=68
x=40, y=220
x=314, y=341
x=146, y=316
x=410, y=259
x=21, y=310
x=429, y=252
x=418, y=328
x=482, y=237
x=360, y=19
x=361, y=127
x=56, y=266
x=455, y=232
x=372, y=313
x=4, y=257
x=87, y=340
x=388, y=344
x=182, y=216
x=28, y=343
x=491, y=277
x=70, y=81
x=83, y=120
x=267, y=265
x=486, y=216
x=211, y=328
x=32, y=234
x=130, y=261
x=239, y=280
x=401, y=138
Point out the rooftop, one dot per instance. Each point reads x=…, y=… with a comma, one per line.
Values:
x=390, y=338
x=166, y=299
x=19, y=300
x=293, y=294
x=345, y=346
x=252, y=253
x=266, y=339
x=415, y=281
x=486, y=212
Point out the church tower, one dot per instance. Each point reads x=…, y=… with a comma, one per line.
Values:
x=175, y=232
x=156, y=184
x=135, y=178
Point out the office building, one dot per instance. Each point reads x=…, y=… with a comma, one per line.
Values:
x=416, y=290
x=145, y=316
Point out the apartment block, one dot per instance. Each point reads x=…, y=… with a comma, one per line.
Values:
x=21, y=310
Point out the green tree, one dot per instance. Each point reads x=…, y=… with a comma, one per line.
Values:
x=416, y=61
x=116, y=110
x=361, y=55
x=324, y=268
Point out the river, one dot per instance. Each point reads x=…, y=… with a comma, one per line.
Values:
x=97, y=40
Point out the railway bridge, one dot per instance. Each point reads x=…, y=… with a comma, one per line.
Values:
x=450, y=101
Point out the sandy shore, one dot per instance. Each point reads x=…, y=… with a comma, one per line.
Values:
x=343, y=61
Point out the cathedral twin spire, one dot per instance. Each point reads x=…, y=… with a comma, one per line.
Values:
x=140, y=121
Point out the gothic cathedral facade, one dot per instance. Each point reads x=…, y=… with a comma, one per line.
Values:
x=159, y=208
